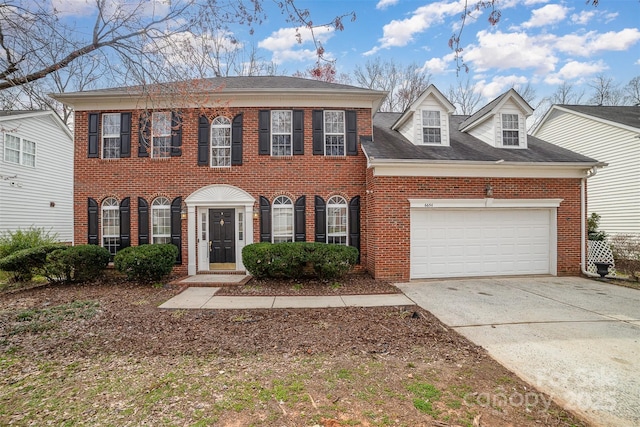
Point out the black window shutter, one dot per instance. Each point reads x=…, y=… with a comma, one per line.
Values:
x=92, y=221
x=317, y=123
x=298, y=132
x=321, y=220
x=265, y=219
x=144, y=139
x=125, y=223
x=94, y=136
x=203, y=141
x=125, y=135
x=264, y=132
x=300, y=222
x=236, y=140
x=176, y=226
x=143, y=221
x=176, y=134
x=352, y=132
x=354, y=224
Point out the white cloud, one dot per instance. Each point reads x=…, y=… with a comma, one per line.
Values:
x=592, y=42
x=498, y=85
x=573, y=70
x=436, y=66
x=400, y=32
x=284, y=44
x=383, y=4
x=74, y=7
x=547, y=15
x=583, y=17
x=532, y=2
x=511, y=50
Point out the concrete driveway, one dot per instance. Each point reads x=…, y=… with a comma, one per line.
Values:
x=576, y=339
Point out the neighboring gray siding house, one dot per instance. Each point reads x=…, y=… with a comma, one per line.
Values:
x=611, y=135
x=36, y=173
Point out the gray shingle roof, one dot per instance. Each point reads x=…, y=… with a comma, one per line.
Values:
x=237, y=83
x=626, y=115
x=391, y=145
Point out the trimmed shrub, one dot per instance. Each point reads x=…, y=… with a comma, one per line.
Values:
x=146, y=263
x=23, y=264
x=13, y=241
x=76, y=263
x=626, y=252
x=295, y=259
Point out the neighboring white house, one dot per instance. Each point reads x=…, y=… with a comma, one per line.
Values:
x=36, y=173
x=610, y=135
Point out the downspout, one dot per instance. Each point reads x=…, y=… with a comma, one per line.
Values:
x=583, y=223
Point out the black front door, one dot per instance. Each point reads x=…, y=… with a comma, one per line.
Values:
x=222, y=246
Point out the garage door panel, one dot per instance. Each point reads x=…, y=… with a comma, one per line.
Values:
x=480, y=242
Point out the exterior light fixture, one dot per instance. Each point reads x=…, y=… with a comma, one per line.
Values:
x=489, y=190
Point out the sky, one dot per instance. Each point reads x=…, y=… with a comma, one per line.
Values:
x=542, y=43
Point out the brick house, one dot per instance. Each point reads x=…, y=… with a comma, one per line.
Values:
x=421, y=194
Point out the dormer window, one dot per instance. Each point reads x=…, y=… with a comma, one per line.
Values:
x=431, y=130
x=510, y=130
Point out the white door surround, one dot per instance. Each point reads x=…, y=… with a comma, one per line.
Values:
x=198, y=204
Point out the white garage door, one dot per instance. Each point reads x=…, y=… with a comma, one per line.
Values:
x=480, y=242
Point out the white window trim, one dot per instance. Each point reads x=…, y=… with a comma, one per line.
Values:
x=343, y=134
x=342, y=205
x=517, y=129
x=21, y=150
x=162, y=135
x=103, y=136
x=212, y=147
x=287, y=206
x=423, y=126
x=104, y=208
x=155, y=207
x=290, y=133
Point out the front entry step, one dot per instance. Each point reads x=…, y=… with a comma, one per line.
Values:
x=206, y=280
x=222, y=266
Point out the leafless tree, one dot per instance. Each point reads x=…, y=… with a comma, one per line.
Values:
x=632, y=91
x=566, y=94
x=403, y=84
x=605, y=91
x=464, y=97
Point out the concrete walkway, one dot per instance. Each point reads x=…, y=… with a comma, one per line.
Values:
x=578, y=340
x=205, y=298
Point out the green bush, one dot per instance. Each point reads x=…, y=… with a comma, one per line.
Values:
x=13, y=241
x=76, y=263
x=23, y=264
x=146, y=263
x=293, y=260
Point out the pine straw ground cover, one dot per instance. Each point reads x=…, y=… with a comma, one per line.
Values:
x=104, y=354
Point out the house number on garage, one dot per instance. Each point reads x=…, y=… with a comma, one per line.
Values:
x=428, y=205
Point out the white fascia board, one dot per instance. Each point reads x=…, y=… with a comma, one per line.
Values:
x=481, y=169
x=483, y=203
x=238, y=98
x=583, y=115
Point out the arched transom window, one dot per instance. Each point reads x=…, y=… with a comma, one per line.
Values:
x=161, y=220
x=337, y=220
x=221, y=142
x=282, y=219
x=111, y=225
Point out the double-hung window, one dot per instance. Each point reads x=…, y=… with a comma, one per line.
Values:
x=161, y=220
x=282, y=219
x=221, y=142
x=111, y=135
x=19, y=150
x=510, y=130
x=111, y=225
x=161, y=134
x=334, y=133
x=281, y=132
x=337, y=220
x=431, y=133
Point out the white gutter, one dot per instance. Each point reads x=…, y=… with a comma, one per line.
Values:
x=583, y=224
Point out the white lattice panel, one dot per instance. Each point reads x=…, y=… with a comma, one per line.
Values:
x=600, y=251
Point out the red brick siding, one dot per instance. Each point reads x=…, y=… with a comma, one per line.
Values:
x=180, y=176
x=387, y=214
